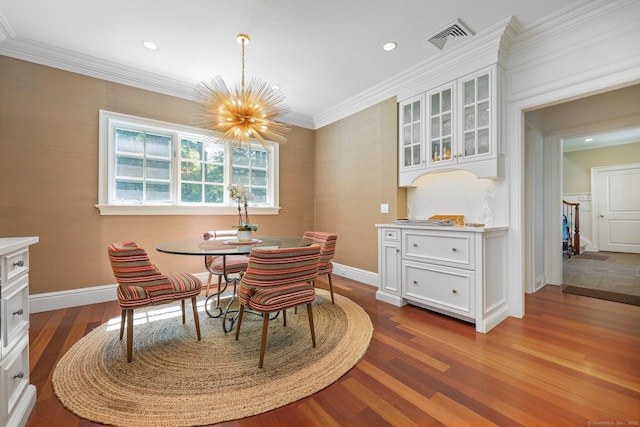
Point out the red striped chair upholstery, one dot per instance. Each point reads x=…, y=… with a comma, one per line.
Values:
x=141, y=284
x=234, y=263
x=327, y=242
x=277, y=279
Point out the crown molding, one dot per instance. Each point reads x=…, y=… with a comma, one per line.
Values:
x=43, y=54
x=6, y=32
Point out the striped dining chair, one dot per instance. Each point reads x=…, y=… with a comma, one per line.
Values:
x=141, y=284
x=277, y=279
x=327, y=242
x=217, y=265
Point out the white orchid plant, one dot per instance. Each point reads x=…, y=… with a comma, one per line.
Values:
x=242, y=195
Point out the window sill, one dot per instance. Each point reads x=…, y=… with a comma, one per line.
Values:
x=182, y=210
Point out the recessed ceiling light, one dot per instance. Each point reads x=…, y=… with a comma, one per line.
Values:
x=389, y=45
x=150, y=45
x=588, y=139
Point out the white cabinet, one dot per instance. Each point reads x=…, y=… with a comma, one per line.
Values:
x=411, y=134
x=461, y=129
x=17, y=396
x=390, y=263
x=457, y=271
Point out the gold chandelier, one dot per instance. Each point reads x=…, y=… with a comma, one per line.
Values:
x=249, y=111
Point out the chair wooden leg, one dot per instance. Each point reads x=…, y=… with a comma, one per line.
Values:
x=265, y=327
x=284, y=316
x=331, y=288
x=206, y=292
x=240, y=313
x=129, y=334
x=196, y=319
x=183, y=315
x=313, y=331
x=123, y=320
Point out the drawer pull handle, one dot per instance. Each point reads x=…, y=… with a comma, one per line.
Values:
x=397, y=250
x=415, y=282
x=454, y=249
x=415, y=245
x=19, y=264
x=454, y=291
x=19, y=375
x=19, y=312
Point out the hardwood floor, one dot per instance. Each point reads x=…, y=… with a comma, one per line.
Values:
x=571, y=361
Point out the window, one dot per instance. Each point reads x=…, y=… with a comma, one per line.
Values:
x=150, y=167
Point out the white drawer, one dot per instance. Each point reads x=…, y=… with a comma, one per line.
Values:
x=453, y=248
x=14, y=264
x=15, y=376
x=390, y=234
x=15, y=311
x=449, y=289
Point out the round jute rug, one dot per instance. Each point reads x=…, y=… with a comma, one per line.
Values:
x=174, y=380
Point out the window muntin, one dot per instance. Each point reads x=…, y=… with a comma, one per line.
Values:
x=146, y=163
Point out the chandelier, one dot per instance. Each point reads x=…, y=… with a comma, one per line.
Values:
x=248, y=112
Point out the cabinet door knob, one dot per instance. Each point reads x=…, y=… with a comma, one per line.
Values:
x=19, y=375
x=415, y=245
x=415, y=282
x=454, y=249
x=19, y=264
x=397, y=250
x=19, y=312
x=454, y=291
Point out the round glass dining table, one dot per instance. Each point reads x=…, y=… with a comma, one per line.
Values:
x=224, y=247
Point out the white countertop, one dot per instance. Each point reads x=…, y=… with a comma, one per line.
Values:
x=444, y=228
x=10, y=244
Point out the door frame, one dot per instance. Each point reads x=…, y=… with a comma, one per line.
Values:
x=595, y=197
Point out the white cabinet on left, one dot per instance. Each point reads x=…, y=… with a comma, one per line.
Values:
x=17, y=396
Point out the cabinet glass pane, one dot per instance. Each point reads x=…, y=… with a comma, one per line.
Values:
x=416, y=111
x=406, y=135
x=416, y=133
x=483, y=141
x=416, y=154
x=446, y=124
x=406, y=115
x=407, y=156
x=469, y=118
x=435, y=151
x=446, y=148
x=446, y=100
x=435, y=127
x=483, y=114
x=483, y=87
x=469, y=144
x=435, y=104
x=469, y=92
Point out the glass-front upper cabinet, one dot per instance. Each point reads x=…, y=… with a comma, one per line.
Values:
x=476, y=131
x=411, y=133
x=441, y=124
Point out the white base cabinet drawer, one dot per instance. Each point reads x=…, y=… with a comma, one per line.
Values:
x=453, y=249
x=15, y=376
x=15, y=312
x=447, y=288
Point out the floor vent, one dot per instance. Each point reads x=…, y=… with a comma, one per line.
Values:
x=456, y=29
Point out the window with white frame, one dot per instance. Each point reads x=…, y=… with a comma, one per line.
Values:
x=150, y=167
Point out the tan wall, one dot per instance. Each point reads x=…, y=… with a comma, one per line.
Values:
x=356, y=171
x=577, y=164
x=49, y=170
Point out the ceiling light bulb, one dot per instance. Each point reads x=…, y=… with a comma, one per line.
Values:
x=389, y=45
x=150, y=45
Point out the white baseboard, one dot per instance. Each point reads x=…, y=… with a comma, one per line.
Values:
x=362, y=276
x=71, y=298
x=97, y=294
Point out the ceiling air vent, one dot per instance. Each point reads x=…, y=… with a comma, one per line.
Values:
x=454, y=30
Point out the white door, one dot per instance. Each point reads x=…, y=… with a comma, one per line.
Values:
x=617, y=215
